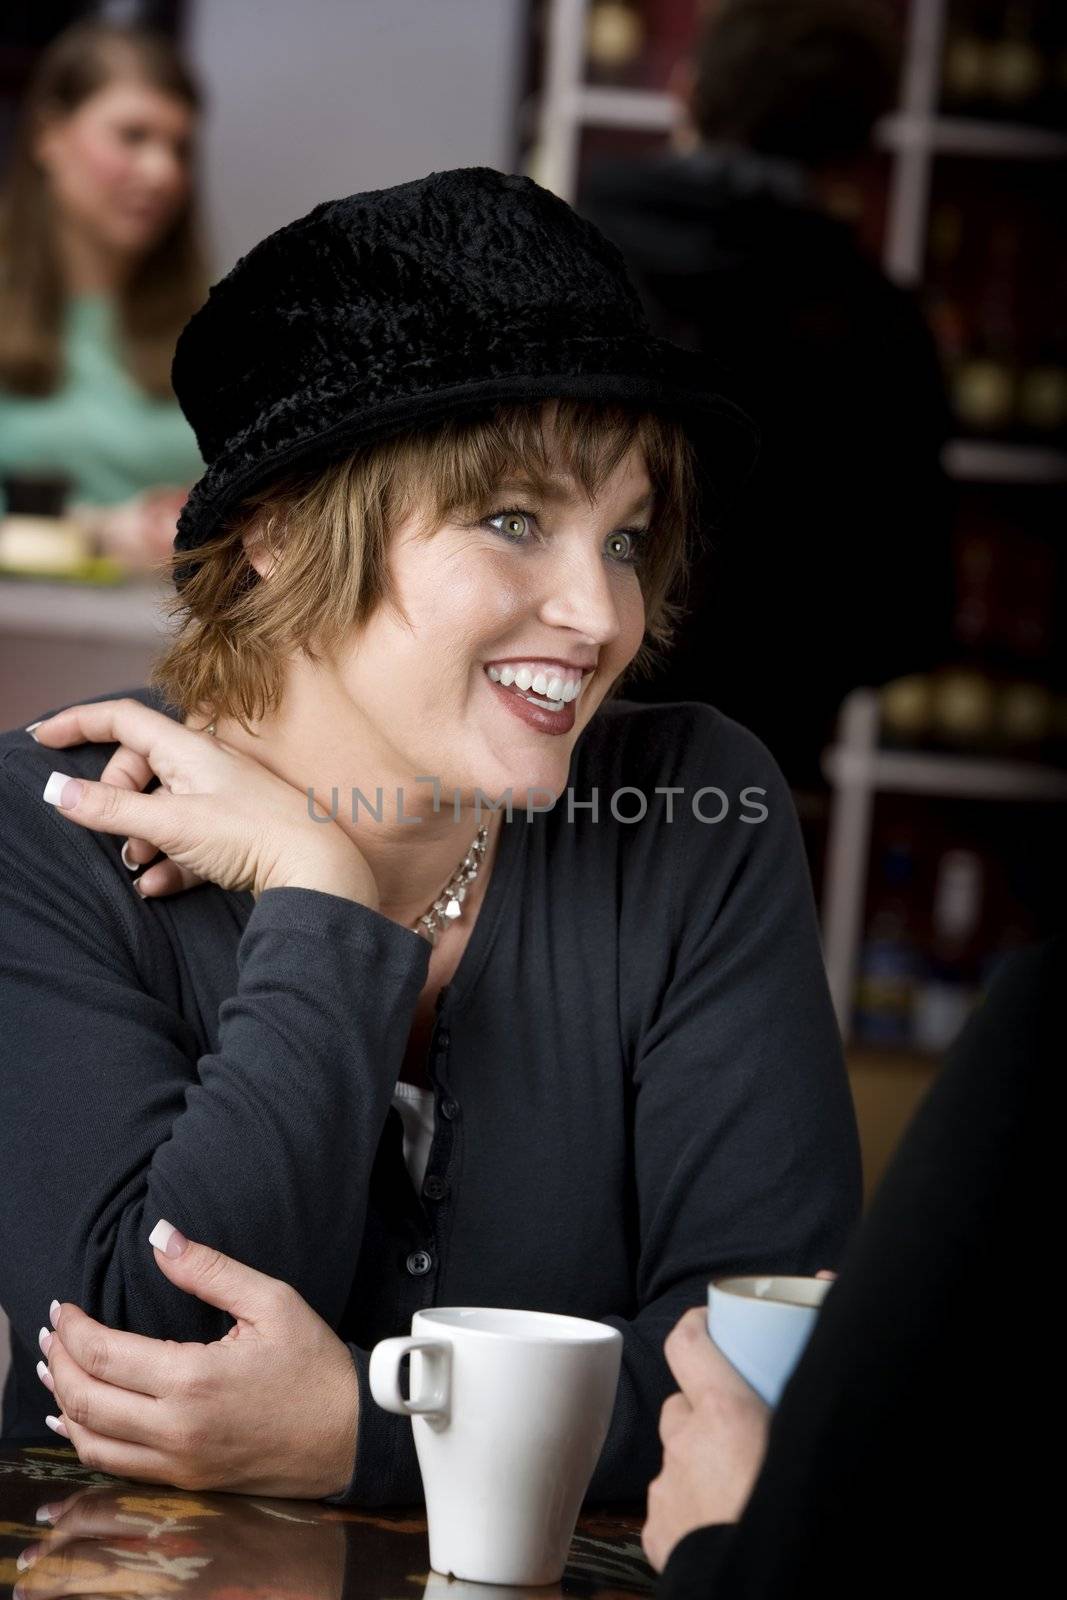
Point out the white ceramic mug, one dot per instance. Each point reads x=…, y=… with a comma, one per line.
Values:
x=761, y=1325
x=510, y=1410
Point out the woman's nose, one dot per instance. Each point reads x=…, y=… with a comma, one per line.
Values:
x=580, y=595
x=162, y=168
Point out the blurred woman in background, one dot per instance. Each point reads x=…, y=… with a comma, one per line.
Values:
x=100, y=267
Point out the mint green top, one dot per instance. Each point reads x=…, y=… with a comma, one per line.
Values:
x=98, y=427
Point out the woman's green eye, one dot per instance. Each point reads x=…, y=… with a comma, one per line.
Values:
x=512, y=524
x=625, y=545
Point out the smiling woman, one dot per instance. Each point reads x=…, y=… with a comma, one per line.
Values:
x=577, y=1055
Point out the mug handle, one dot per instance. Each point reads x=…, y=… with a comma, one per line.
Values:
x=384, y=1376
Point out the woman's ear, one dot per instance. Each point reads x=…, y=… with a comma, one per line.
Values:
x=258, y=551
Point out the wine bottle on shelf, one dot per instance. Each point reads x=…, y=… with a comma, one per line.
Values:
x=965, y=64
x=963, y=711
x=949, y=984
x=906, y=712
x=975, y=568
x=1025, y=720
x=986, y=381
x=1043, y=386
x=943, y=309
x=1015, y=65
x=889, y=963
x=614, y=40
x=1056, y=97
x=1028, y=602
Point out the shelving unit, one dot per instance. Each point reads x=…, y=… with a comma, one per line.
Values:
x=913, y=137
x=859, y=771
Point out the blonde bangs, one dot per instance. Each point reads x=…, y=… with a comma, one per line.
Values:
x=325, y=533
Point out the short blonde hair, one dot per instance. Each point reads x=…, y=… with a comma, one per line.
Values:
x=327, y=533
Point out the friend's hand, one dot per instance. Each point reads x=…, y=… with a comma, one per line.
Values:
x=271, y=1409
x=219, y=814
x=714, y=1434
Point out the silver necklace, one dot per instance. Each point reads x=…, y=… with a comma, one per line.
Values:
x=448, y=907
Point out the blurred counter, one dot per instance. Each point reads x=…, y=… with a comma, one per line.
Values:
x=61, y=642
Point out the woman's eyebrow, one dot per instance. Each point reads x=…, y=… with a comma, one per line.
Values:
x=539, y=488
x=553, y=488
x=642, y=506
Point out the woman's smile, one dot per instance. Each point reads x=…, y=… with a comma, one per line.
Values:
x=542, y=709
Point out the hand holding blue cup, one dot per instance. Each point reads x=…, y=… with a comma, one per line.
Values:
x=762, y=1323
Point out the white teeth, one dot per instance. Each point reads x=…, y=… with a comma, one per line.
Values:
x=550, y=687
x=546, y=705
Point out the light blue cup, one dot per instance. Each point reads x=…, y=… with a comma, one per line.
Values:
x=761, y=1325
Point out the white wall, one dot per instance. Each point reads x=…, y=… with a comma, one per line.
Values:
x=312, y=100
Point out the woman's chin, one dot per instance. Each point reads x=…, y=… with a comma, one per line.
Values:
x=531, y=782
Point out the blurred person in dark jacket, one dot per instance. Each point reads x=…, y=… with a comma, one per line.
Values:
x=837, y=569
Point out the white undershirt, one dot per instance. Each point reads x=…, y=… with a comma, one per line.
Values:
x=416, y=1113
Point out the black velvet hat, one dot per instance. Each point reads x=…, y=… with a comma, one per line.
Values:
x=400, y=307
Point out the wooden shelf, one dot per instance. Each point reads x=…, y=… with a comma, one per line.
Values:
x=131, y=613
x=975, y=461
x=607, y=107
x=889, y=1058
x=888, y=1086
x=920, y=772
x=967, y=136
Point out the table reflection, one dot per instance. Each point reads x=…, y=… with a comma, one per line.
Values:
x=95, y=1535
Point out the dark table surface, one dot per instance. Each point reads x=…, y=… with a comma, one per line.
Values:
x=109, y=1538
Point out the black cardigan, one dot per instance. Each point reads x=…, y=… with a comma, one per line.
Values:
x=910, y=1453
x=638, y=1078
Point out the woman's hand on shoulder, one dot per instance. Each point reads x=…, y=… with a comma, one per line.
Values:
x=217, y=815
x=272, y=1408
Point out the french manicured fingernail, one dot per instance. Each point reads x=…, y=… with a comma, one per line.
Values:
x=44, y=1339
x=131, y=866
x=45, y=1376
x=57, y=1425
x=28, y=1557
x=53, y=1313
x=62, y=790
x=45, y=1514
x=32, y=727
x=166, y=1238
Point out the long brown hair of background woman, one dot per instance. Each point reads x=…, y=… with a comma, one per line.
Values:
x=167, y=285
